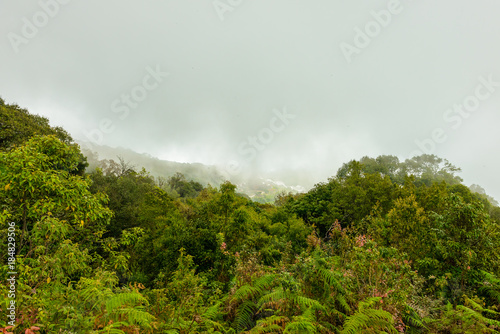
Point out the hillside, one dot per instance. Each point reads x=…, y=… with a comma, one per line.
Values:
x=259, y=188
x=158, y=168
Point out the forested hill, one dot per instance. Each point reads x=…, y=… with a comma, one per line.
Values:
x=383, y=246
x=265, y=188
x=261, y=188
x=101, y=156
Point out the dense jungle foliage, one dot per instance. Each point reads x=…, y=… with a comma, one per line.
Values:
x=384, y=246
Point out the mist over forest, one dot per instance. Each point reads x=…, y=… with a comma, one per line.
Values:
x=232, y=166
x=266, y=87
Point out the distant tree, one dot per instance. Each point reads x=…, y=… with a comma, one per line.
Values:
x=348, y=197
x=126, y=167
x=429, y=168
x=183, y=187
x=480, y=190
x=384, y=164
x=17, y=126
x=426, y=168
x=128, y=193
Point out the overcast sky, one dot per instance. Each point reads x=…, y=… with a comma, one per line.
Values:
x=264, y=84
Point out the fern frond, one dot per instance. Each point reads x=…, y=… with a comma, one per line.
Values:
x=308, y=303
x=213, y=325
x=470, y=314
x=112, y=331
x=412, y=319
x=114, y=328
x=266, y=329
x=273, y=296
x=209, y=316
x=122, y=304
x=475, y=313
x=137, y=316
x=212, y=311
x=244, y=315
x=473, y=304
x=367, y=317
x=258, y=287
x=491, y=278
x=490, y=292
x=491, y=287
x=172, y=331
x=122, y=299
x=305, y=323
x=343, y=303
x=245, y=292
x=300, y=327
x=271, y=324
x=265, y=282
x=95, y=291
x=330, y=280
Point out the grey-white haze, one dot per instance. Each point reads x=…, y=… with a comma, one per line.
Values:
x=267, y=85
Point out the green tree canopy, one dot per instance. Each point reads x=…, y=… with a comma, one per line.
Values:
x=17, y=126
